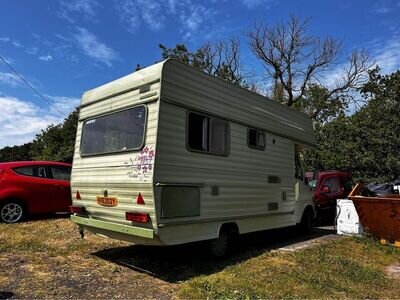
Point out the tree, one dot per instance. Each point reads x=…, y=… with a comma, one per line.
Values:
x=16, y=153
x=298, y=61
x=221, y=59
x=367, y=142
x=57, y=142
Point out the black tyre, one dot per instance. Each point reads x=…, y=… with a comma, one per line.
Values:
x=306, y=223
x=12, y=211
x=220, y=246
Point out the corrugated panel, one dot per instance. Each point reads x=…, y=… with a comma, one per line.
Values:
x=116, y=173
x=242, y=176
x=190, y=87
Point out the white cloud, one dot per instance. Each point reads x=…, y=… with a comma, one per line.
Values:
x=134, y=12
x=21, y=120
x=155, y=14
x=9, y=79
x=86, y=8
x=387, y=54
x=251, y=4
x=46, y=58
x=32, y=50
x=194, y=17
x=93, y=48
x=63, y=103
x=16, y=44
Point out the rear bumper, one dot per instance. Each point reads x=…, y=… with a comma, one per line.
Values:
x=117, y=228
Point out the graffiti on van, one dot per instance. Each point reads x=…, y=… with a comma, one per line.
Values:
x=141, y=166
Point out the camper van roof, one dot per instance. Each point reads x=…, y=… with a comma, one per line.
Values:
x=244, y=104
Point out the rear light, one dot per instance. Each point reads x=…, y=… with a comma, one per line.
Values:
x=139, y=199
x=78, y=195
x=79, y=210
x=137, y=217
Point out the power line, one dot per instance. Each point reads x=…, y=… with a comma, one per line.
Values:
x=33, y=89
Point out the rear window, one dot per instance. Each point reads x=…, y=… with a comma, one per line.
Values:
x=116, y=132
x=60, y=173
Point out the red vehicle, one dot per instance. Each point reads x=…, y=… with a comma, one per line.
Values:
x=330, y=186
x=33, y=187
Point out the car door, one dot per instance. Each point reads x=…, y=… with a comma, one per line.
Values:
x=33, y=184
x=60, y=177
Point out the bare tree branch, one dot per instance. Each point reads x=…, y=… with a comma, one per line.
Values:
x=295, y=59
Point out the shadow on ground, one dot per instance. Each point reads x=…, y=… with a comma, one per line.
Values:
x=38, y=217
x=179, y=263
x=6, y=295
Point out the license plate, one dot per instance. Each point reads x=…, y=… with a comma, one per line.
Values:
x=107, y=201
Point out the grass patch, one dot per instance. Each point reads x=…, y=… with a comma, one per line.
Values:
x=350, y=267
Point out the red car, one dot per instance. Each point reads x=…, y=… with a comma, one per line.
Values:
x=33, y=187
x=330, y=186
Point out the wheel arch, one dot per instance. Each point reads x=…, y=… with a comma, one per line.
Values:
x=231, y=227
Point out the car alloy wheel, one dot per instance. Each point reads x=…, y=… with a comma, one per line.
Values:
x=11, y=212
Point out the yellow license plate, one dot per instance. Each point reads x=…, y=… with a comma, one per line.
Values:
x=107, y=201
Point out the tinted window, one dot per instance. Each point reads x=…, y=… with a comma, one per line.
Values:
x=36, y=171
x=256, y=139
x=207, y=134
x=61, y=173
x=24, y=171
x=120, y=131
x=332, y=183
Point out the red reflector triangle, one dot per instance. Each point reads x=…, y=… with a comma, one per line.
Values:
x=78, y=196
x=140, y=199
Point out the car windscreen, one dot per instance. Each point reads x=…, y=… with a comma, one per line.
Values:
x=116, y=132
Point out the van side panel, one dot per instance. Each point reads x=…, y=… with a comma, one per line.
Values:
x=236, y=187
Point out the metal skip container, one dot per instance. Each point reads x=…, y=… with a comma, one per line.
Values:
x=379, y=216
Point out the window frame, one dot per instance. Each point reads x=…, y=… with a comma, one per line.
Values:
x=258, y=132
x=111, y=113
x=209, y=152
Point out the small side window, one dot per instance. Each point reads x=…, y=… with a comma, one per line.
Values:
x=207, y=134
x=298, y=172
x=255, y=139
x=28, y=171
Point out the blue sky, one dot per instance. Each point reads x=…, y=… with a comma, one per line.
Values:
x=65, y=47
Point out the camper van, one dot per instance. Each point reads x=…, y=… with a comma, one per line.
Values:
x=170, y=155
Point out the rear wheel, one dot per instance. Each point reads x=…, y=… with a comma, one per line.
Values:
x=11, y=212
x=220, y=246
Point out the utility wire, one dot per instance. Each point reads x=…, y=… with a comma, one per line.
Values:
x=33, y=89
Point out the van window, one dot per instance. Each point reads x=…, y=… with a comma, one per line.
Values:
x=255, y=139
x=207, y=134
x=116, y=132
x=298, y=172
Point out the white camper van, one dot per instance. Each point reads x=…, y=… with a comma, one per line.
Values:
x=170, y=155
